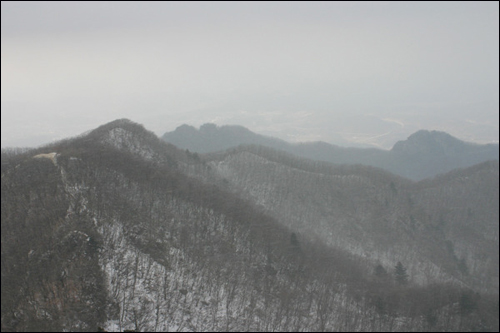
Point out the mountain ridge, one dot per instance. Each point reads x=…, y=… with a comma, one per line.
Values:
x=321, y=192
x=424, y=154
x=120, y=230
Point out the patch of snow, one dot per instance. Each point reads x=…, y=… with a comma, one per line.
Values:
x=50, y=156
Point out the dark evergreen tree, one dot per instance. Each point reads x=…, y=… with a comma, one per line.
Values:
x=400, y=273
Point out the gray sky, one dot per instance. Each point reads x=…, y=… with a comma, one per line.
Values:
x=342, y=72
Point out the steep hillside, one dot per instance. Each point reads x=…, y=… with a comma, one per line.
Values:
x=109, y=231
x=373, y=214
x=424, y=154
x=463, y=206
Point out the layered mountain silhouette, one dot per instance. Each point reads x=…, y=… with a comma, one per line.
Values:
x=424, y=154
x=118, y=230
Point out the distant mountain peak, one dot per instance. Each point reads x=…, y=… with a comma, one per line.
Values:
x=430, y=142
x=431, y=134
x=210, y=137
x=184, y=128
x=423, y=154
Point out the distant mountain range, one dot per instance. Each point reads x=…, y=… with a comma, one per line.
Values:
x=424, y=154
x=119, y=230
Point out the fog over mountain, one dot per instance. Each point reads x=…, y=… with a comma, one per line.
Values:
x=351, y=182
x=118, y=230
x=424, y=154
x=347, y=73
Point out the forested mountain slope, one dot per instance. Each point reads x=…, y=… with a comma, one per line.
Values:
x=443, y=229
x=111, y=230
x=424, y=154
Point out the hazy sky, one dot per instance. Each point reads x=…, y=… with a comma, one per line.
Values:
x=334, y=71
